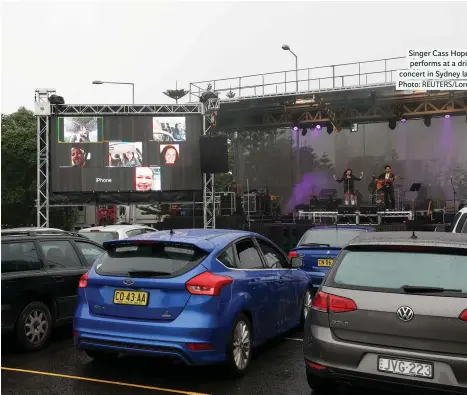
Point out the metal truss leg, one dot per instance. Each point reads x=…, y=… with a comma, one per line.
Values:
x=42, y=203
x=43, y=113
x=209, y=209
x=209, y=193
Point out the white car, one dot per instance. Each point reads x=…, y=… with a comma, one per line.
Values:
x=100, y=234
x=459, y=223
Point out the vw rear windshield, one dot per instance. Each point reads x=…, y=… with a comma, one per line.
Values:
x=100, y=237
x=149, y=260
x=335, y=238
x=402, y=272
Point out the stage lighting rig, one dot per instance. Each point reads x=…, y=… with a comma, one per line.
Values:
x=176, y=93
x=392, y=123
x=427, y=121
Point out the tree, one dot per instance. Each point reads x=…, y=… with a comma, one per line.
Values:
x=19, y=158
x=325, y=162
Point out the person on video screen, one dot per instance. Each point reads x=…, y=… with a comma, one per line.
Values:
x=130, y=160
x=179, y=132
x=78, y=157
x=143, y=179
x=170, y=155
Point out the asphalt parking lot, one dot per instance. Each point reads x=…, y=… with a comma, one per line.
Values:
x=61, y=370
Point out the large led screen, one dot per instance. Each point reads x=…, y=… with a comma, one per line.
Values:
x=125, y=154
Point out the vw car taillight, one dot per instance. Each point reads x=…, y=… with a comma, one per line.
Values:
x=207, y=283
x=332, y=303
x=463, y=315
x=83, y=281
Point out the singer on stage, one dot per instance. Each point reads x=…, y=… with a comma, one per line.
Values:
x=349, y=185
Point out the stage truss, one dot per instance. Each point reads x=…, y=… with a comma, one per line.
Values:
x=44, y=111
x=318, y=216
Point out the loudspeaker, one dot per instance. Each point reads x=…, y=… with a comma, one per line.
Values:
x=214, y=154
x=343, y=209
x=368, y=209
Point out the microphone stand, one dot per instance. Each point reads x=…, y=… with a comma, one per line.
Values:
x=453, y=194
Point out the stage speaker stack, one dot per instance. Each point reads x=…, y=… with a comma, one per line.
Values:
x=214, y=157
x=343, y=209
x=368, y=209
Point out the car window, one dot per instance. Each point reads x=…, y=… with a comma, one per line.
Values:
x=19, y=257
x=248, y=255
x=461, y=223
x=59, y=255
x=100, y=237
x=333, y=237
x=390, y=270
x=90, y=252
x=149, y=260
x=227, y=258
x=274, y=258
x=148, y=230
x=134, y=232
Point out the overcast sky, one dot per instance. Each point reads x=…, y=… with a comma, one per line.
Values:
x=65, y=45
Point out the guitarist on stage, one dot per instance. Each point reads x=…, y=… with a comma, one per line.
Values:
x=349, y=185
x=387, y=181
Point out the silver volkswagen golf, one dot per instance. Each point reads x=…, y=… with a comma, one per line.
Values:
x=392, y=314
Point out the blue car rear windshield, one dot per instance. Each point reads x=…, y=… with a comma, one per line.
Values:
x=390, y=270
x=149, y=260
x=335, y=238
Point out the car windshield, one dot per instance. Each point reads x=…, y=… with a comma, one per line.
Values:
x=393, y=270
x=149, y=260
x=333, y=237
x=100, y=237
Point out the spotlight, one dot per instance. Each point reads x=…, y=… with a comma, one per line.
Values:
x=392, y=124
x=427, y=121
x=403, y=120
x=304, y=131
x=295, y=128
x=329, y=127
x=318, y=127
x=447, y=116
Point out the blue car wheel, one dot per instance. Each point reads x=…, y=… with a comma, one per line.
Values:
x=240, y=347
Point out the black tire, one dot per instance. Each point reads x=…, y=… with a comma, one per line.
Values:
x=234, y=368
x=101, y=356
x=34, y=326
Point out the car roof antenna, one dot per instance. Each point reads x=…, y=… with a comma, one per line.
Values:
x=413, y=235
x=172, y=232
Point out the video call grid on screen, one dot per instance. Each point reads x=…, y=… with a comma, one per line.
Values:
x=165, y=146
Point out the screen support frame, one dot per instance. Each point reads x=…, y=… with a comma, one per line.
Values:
x=44, y=111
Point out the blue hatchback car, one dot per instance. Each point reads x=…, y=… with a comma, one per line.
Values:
x=201, y=296
x=319, y=247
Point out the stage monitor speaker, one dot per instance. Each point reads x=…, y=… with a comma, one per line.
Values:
x=214, y=155
x=368, y=209
x=343, y=209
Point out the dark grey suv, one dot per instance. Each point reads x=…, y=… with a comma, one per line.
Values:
x=392, y=314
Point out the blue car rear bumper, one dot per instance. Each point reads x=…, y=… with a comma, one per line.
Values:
x=164, y=339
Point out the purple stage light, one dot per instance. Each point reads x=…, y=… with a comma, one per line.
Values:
x=447, y=116
x=295, y=128
x=403, y=120
x=318, y=127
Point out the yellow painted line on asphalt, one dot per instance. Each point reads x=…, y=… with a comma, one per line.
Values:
x=66, y=376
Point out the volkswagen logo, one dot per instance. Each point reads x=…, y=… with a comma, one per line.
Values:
x=128, y=282
x=405, y=314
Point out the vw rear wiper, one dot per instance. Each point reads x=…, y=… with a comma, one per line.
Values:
x=314, y=244
x=421, y=289
x=146, y=273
